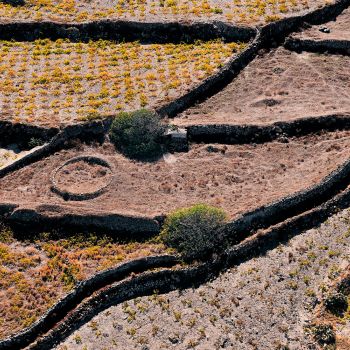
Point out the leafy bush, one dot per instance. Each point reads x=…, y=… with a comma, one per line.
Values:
x=35, y=142
x=137, y=134
x=192, y=231
x=336, y=303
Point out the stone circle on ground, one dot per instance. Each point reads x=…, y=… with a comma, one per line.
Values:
x=82, y=178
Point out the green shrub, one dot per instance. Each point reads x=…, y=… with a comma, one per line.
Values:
x=138, y=134
x=192, y=231
x=35, y=142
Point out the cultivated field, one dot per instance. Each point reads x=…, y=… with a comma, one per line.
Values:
x=236, y=11
x=53, y=83
x=261, y=304
x=37, y=271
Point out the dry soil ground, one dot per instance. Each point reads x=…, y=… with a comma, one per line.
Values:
x=261, y=304
x=278, y=86
x=234, y=177
x=339, y=29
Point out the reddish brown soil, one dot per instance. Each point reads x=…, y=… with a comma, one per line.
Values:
x=237, y=177
x=278, y=86
x=82, y=177
x=339, y=29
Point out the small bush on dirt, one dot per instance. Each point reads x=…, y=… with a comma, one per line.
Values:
x=192, y=231
x=137, y=134
x=35, y=142
x=336, y=303
x=324, y=334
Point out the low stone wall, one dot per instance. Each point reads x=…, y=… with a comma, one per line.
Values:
x=245, y=134
x=50, y=217
x=121, y=30
x=214, y=83
x=21, y=134
x=319, y=46
x=146, y=284
x=266, y=240
x=277, y=31
x=80, y=292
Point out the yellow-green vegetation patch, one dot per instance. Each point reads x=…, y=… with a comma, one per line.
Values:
x=57, y=82
x=36, y=274
x=237, y=11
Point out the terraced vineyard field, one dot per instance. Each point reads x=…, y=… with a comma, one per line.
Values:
x=56, y=83
x=236, y=11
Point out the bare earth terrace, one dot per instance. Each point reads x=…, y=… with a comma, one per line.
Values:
x=278, y=86
x=235, y=177
x=339, y=29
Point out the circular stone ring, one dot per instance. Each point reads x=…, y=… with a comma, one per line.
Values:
x=82, y=178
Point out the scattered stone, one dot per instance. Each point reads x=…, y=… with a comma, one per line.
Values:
x=324, y=29
x=177, y=140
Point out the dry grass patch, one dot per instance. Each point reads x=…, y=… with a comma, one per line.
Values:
x=37, y=273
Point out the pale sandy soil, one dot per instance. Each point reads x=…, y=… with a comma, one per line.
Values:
x=235, y=177
x=278, y=86
x=11, y=154
x=263, y=304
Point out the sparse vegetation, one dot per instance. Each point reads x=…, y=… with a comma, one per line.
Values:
x=193, y=231
x=35, y=273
